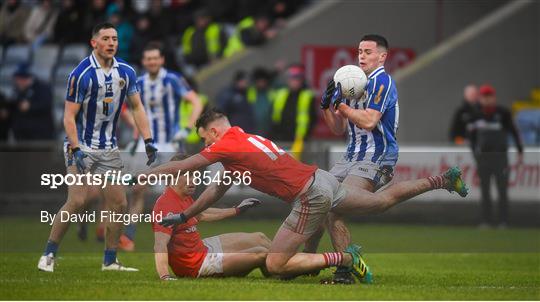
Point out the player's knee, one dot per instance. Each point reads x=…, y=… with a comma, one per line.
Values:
x=274, y=265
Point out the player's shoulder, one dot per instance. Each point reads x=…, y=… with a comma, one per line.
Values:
x=124, y=65
x=84, y=66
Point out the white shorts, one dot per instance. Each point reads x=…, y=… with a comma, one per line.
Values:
x=213, y=262
x=137, y=162
x=379, y=175
x=99, y=161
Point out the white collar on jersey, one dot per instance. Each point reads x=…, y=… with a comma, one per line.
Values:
x=376, y=72
x=95, y=62
x=161, y=74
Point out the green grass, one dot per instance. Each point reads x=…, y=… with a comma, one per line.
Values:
x=409, y=263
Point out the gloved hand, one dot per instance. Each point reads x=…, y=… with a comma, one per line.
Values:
x=79, y=157
x=174, y=219
x=181, y=134
x=337, y=97
x=151, y=151
x=167, y=278
x=247, y=204
x=327, y=95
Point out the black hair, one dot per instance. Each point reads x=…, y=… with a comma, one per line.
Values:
x=209, y=116
x=100, y=26
x=260, y=73
x=380, y=40
x=154, y=45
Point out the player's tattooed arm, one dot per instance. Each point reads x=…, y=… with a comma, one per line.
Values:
x=70, y=112
x=365, y=119
x=161, y=240
x=139, y=116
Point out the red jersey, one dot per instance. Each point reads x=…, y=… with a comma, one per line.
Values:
x=186, y=250
x=273, y=171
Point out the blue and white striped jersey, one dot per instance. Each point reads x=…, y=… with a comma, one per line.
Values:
x=101, y=96
x=379, y=145
x=161, y=98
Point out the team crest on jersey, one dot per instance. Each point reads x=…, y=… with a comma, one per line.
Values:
x=378, y=97
x=122, y=83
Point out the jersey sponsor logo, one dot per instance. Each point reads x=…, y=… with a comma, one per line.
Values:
x=191, y=229
x=378, y=97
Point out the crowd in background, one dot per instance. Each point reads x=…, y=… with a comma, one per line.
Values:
x=204, y=31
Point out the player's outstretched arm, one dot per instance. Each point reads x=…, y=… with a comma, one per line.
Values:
x=366, y=119
x=215, y=214
x=207, y=198
x=161, y=240
x=172, y=167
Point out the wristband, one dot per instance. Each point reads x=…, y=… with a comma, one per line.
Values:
x=238, y=211
x=149, y=141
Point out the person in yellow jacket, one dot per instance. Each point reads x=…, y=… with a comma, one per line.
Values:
x=249, y=32
x=261, y=97
x=204, y=41
x=192, y=142
x=293, y=112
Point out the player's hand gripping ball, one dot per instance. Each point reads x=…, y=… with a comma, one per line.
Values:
x=352, y=79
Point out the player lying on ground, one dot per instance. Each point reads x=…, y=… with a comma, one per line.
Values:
x=181, y=247
x=312, y=191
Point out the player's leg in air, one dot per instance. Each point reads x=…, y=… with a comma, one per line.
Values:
x=307, y=216
x=359, y=202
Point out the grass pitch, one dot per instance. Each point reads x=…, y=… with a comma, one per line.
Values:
x=408, y=262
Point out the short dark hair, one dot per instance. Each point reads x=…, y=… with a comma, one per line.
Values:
x=380, y=40
x=154, y=45
x=100, y=26
x=209, y=116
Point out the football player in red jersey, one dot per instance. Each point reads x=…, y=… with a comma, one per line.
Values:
x=181, y=246
x=313, y=193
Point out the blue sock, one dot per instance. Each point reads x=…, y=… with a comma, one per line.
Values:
x=52, y=247
x=109, y=257
x=130, y=231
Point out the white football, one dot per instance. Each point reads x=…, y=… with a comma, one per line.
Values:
x=353, y=81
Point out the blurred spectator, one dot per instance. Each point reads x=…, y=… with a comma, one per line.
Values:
x=141, y=38
x=4, y=118
x=527, y=115
x=94, y=14
x=32, y=112
x=193, y=141
x=464, y=115
x=490, y=130
x=161, y=20
x=233, y=102
x=67, y=27
x=204, y=42
x=279, y=10
x=249, y=32
x=39, y=26
x=293, y=112
x=125, y=34
x=13, y=17
x=260, y=96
